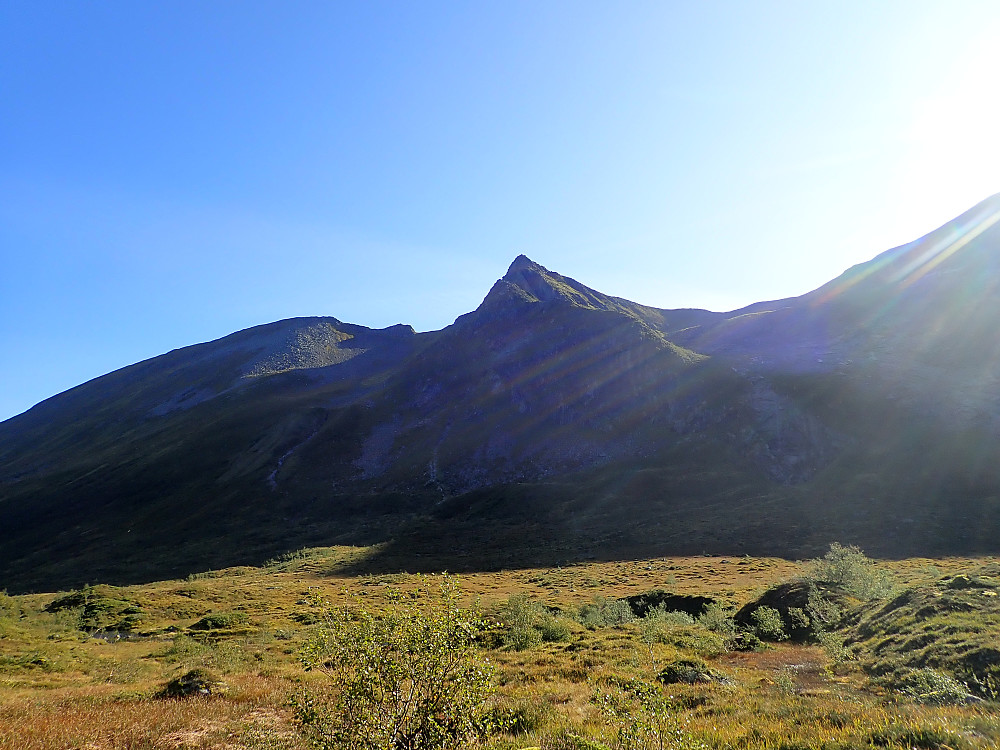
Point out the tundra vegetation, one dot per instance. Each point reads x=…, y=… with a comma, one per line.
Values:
x=698, y=652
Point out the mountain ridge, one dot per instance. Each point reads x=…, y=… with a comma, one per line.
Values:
x=552, y=417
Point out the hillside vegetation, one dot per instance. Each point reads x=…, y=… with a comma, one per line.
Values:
x=664, y=652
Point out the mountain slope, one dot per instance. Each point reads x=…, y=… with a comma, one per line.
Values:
x=552, y=422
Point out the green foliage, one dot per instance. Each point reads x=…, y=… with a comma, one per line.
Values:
x=645, y=719
x=525, y=624
x=768, y=624
x=553, y=629
x=744, y=640
x=518, y=616
x=408, y=678
x=8, y=606
x=31, y=660
x=718, y=618
x=798, y=619
x=97, y=609
x=927, y=685
x=678, y=629
x=824, y=615
x=685, y=670
x=851, y=570
x=221, y=621
x=950, y=626
x=305, y=553
x=657, y=624
x=197, y=681
x=668, y=618
x=833, y=644
x=604, y=612
x=182, y=648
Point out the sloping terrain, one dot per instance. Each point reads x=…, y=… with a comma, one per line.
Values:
x=552, y=423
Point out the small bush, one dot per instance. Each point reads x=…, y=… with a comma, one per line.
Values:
x=98, y=611
x=670, y=619
x=182, y=647
x=798, y=619
x=646, y=719
x=197, y=681
x=518, y=616
x=717, y=618
x=604, y=612
x=768, y=624
x=408, y=676
x=221, y=621
x=824, y=615
x=685, y=670
x=553, y=630
x=850, y=569
x=521, y=638
x=744, y=641
x=929, y=686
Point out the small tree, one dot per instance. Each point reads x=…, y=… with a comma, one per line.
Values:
x=408, y=678
x=519, y=615
x=852, y=570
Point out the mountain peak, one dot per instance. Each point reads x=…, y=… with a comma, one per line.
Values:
x=527, y=282
x=523, y=263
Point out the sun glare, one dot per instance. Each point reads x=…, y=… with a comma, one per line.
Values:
x=952, y=144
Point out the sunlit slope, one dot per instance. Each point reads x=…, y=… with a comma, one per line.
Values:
x=553, y=421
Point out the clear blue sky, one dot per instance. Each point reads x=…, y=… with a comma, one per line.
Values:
x=171, y=172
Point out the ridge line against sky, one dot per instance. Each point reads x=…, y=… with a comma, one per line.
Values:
x=173, y=172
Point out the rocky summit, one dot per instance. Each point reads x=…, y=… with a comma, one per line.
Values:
x=551, y=424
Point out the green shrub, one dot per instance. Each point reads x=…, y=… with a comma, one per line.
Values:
x=182, y=648
x=685, y=670
x=798, y=619
x=929, y=686
x=521, y=638
x=604, y=612
x=198, y=681
x=221, y=621
x=518, y=616
x=744, y=640
x=553, y=630
x=669, y=618
x=768, y=624
x=98, y=611
x=824, y=615
x=718, y=618
x=409, y=676
x=850, y=569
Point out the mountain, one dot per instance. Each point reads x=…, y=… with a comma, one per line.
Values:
x=550, y=424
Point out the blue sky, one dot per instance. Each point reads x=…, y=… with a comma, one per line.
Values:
x=171, y=172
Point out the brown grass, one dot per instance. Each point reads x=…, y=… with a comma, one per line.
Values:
x=60, y=688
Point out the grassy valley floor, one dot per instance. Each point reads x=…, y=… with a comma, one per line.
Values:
x=89, y=669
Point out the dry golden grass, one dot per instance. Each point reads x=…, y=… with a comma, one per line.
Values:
x=60, y=688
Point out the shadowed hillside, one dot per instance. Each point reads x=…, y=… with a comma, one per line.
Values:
x=552, y=423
